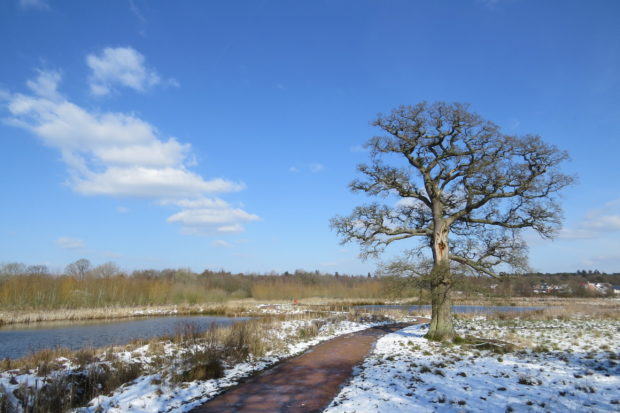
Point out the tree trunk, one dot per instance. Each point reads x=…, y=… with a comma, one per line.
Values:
x=441, y=328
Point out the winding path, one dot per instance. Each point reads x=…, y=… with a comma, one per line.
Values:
x=306, y=383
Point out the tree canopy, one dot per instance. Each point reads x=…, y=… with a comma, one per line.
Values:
x=466, y=189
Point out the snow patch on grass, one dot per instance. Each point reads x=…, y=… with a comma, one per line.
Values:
x=562, y=366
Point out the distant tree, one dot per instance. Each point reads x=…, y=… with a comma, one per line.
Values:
x=13, y=268
x=79, y=268
x=106, y=270
x=464, y=188
x=37, y=269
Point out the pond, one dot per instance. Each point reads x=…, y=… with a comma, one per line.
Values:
x=458, y=309
x=19, y=341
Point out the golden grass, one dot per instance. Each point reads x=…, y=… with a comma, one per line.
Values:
x=81, y=314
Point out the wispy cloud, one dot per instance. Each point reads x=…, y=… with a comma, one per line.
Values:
x=70, y=243
x=34, y=4
x=121, y=66
x=312, y=167
x=597, y=223
x=221, y=244
x=139, y=15
x=604, y=262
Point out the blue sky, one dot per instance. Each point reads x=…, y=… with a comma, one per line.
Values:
x=210, y=134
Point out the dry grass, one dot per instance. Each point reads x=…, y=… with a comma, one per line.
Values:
x=568, y=311
x=82, y=314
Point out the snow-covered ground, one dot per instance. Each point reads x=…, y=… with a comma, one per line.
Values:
x=560, y=366
x=156, y=392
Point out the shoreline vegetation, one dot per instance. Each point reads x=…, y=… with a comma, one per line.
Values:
x=251, y=307
x=32, y=294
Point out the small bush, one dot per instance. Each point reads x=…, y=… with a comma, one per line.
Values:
x=529, y=381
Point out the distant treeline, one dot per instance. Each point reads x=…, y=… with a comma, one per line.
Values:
x=84, y=286
x=92, y=288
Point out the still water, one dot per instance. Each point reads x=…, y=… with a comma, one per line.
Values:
x=459, y=309
x=17, y=342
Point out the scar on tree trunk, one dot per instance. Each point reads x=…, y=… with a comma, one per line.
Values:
x=441, y=328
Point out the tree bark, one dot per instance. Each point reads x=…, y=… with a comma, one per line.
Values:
x=441, y=327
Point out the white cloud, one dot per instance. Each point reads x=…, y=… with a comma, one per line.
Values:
x=34, y=4
x=200, y=203
x=231, y=228
x=576, y=233
x=136, y=181
x=209, y=215
x=312, y=167
x=597, y=223
x=121, y=155
x=154, y=154
x=221, y=244
x=603, y=223
x=46, y=84
x=222, y=218
x=108, y=153
x=70, y=243
x=120, y=66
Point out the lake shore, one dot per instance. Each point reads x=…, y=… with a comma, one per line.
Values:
x=249, y=307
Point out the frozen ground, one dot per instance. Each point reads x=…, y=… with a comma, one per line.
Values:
x=569, y=366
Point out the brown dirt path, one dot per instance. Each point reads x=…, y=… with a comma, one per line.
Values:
x=306, y=383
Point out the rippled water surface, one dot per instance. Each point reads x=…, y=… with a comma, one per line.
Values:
x=20, y=341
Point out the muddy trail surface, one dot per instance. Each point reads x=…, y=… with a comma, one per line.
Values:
x=306, y=383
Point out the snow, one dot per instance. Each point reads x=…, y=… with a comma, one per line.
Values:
x=558, y=365
x=151, y=394
x=155, y=392
x=569, y=366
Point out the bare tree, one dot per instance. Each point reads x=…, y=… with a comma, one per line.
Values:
x=13, y=268
x=38, y=270
x=106, y=270
x=464, y=189
x=78, y=268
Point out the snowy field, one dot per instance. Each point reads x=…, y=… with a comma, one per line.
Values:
x=558, y=366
